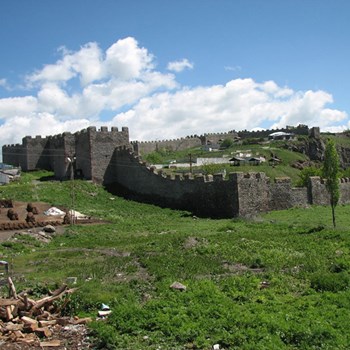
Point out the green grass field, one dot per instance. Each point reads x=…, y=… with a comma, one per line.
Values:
x=280, y=281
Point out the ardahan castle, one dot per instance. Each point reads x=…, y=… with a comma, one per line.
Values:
x=108, y=157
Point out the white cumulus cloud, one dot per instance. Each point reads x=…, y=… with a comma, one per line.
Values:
x=123, y=81
x=179, y=66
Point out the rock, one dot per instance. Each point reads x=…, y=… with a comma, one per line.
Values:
x=178, y=286
x=72, y=280
x=49, y=229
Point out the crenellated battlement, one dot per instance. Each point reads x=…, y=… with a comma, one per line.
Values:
x=106, y=156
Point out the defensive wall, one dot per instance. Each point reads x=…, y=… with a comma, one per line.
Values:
x=241, y=194
x=106, y=156
x=89, y=151
x=298, y=130
x=146, y=147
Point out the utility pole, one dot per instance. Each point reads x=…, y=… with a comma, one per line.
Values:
x=190, y=155
x=71, y=161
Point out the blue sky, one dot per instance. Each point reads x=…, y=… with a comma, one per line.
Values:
x=168, y=69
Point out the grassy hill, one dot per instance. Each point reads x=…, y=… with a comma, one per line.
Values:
x=278, y=282
x=264, y=149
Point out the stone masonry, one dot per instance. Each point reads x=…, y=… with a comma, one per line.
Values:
x=107, y=157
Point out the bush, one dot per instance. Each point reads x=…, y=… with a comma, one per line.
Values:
x=306, y=173
x=227, y=143
x=332, y=282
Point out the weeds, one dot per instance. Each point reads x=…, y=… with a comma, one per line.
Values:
x=280, y=282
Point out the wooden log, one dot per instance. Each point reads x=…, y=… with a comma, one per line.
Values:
x=9, y=315
x=62, y=321
x=10, y=327
x=47, y=323
x=44, y=316
x=59, y=290
x=48, y=300
x=6, y=302
x=30, y=327
x=43, y=332
x=50, y=344
x=18, y=334
x=28, y=320
x=27, y=301
x=28, y=338
x=84, y=320
x=12, y=287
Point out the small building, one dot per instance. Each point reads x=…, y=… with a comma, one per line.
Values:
x=9, y=174
x=237, y=161
x=280, y=135
x=274, y=161
x=255, y=161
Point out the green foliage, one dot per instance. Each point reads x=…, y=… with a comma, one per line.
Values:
x=154, y=158
x=306, y=173
x=227, y=143
x=130, y=262
x=330, y=172
x=332, y=282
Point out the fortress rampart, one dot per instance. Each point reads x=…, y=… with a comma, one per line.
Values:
x=299, y=130
x=89, y=151
x=241, y=194
x=106, y=156
x=143, y=148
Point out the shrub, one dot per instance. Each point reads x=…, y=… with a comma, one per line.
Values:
x=332, y=282
x=306, y=173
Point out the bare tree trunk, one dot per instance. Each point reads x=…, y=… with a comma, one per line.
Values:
x=333, y=215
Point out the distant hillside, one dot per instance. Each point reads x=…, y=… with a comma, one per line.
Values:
x=294, y=154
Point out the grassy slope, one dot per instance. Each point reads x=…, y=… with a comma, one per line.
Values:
x=130, y=263
x=281, y=170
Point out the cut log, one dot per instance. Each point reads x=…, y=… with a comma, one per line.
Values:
x=18, y=335
x=28, y=320
x=59, y=290
x=12, y=288
x=30, y=327
x=47, y=323
x=10, y=327
x=51, y=343
x=84, y=320
x=9, y=315
x=43, y=332
x=48, y=300
x=6, y=302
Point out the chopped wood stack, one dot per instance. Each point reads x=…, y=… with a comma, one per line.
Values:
x=25, y=320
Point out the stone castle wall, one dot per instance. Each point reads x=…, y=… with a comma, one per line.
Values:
x=143, y=148
x=204, y=195
x=299, y=130
x=62, y=147
x=13, y=154
x=90, y=150
x=107, y=157
x=241, y=194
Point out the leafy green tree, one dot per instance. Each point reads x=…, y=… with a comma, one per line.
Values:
x=306, y=173
x=330, y=172
x=227, y=143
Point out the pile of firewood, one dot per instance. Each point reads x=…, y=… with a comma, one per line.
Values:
x=23, y=319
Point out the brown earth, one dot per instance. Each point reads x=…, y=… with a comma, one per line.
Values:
x=21, y=209
x=72, y=337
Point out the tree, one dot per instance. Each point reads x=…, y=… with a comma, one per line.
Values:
x=330, y=172
x=227, y=143
x=306, y=173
